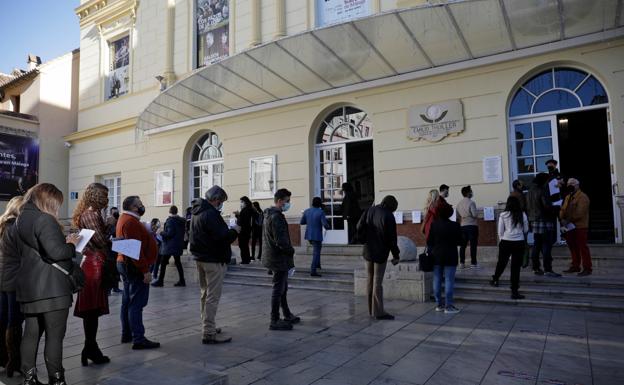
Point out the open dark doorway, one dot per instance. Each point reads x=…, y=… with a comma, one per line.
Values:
x=360, y=171
x=584, y=155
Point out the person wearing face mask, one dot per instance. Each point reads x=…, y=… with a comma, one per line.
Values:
x=245, y=219
x=135, y=274
x=210, y=240
x=111, y=228
x=467, y=210
x=574, y=217
x=279, y=258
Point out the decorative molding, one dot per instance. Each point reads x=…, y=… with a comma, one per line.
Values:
x=18, y=132
x=102, y=11
x=101, y=130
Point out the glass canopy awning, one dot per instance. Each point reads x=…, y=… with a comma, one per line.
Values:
x=382, y=46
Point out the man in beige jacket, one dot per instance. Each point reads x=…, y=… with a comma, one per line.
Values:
x=574, y=217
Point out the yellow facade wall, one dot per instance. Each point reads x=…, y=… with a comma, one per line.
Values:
x=404, y=168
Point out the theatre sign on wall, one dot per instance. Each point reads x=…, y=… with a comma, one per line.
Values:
x=433, y=122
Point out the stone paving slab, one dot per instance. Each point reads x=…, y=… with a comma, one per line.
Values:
x=338, y=344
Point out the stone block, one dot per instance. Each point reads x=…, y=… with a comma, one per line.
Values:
x=403, y=281
x=408, y=249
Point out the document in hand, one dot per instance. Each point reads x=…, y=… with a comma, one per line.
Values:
x=129, y=247
x=85, y=237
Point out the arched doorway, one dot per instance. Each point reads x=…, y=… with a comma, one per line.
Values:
x=206, y=165
x=344, y=154
x=563, y=113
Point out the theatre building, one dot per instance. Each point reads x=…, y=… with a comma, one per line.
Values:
x=394, y=97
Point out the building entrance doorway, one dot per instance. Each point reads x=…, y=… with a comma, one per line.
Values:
x=562, y=113
x=344, y=154
x=584, y=155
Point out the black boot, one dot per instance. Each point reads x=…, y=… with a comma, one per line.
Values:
x=57, y=378
x=13, y=342
x=30, y=378
x=92, y=352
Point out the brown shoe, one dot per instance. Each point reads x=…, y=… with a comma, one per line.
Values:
x=214, y=339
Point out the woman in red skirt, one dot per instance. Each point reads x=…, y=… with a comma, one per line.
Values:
x=92, y=301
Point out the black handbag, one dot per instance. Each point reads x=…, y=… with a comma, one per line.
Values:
x=425, y=262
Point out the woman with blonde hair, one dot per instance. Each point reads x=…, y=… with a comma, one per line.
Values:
x=44, y=292
x=11, y=317
x=430, y=210
x=92, y=301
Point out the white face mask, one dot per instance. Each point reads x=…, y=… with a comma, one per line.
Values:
x=220, y=207
x=286, y=207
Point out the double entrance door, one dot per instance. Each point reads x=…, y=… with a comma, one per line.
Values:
x=579, y=140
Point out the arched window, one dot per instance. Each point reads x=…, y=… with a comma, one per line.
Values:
x=343, y=124
x=557, y=89
x=206, y=164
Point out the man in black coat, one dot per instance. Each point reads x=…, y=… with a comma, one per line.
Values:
x=278, y=257
x=172, y=245
x=377, y=229
x=210, y=240
x=351, y=210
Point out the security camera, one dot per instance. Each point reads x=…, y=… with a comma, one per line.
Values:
x=67, y=144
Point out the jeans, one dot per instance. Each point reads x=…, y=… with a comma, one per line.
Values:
x=279, y=295
x=449, y=283
x=54, y=324
x=543, y=243
x=133, y=300
x=469, y=234
x=211, y=277
x=316, y=256
x=156, y=266
x=10, y=313
x=516, y=250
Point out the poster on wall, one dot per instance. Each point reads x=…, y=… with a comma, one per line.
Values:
x=262, y=177
x=338, y=11
x=163, y=188
x=19, y=165
x=492, y=169
x=212, y=31
x=118, y=79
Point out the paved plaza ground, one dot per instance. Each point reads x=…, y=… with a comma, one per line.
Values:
x=337, y=343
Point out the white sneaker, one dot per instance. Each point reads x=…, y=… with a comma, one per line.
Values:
x=439, y=308
x=462, y=265
x=475, y=266
x=451, y=310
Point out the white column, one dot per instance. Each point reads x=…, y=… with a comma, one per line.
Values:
x=280, y=18
x=168, y=72
x=256, y=38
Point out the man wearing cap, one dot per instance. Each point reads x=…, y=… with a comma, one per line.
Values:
x=575, y=219
x=210, y=240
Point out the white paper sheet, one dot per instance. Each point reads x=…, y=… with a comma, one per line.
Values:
x=454, y=216
x=488, y=213
x=129, y=247
x=416, y=216
x=85, y=235
x=232, y=222
x=398, y=217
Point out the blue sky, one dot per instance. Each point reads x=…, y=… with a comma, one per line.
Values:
x=46, y=28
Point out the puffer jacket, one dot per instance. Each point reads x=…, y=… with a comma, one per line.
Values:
x=277, y=251
x=10, y=251
x=43, y=242
x=210, y=237
x=173, y=236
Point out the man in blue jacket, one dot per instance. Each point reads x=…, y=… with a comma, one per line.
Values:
x=315, y=220
x=210, y=240
x=172, y=245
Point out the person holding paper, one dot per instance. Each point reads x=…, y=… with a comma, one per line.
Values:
x=279, y=258
x=377, y=228
x=210, y=244
x=575, y=216
x=135, y=274
x=44, y=292
x=92, y=300
x=314, y=219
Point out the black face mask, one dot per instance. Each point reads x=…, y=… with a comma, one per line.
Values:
x=141, y=210
x=571, y=189
x=551, y=168
x=116, y=215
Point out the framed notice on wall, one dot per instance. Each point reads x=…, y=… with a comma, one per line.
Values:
x=492, y=169
x=163, y=189
x=262, y=177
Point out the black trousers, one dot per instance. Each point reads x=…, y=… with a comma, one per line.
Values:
x=178, y=265
x=54, y=324
x=352, y=222
x=256, y=238
x=515, y=249
x=278, y=298
x=469, y=234
x=243, y=244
